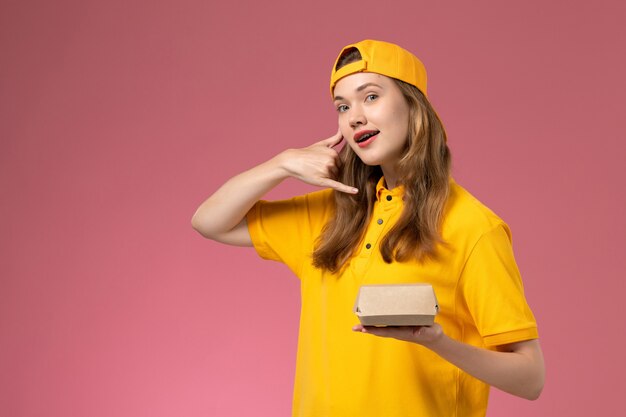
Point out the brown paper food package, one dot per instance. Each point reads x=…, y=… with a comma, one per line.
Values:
x=396, y=305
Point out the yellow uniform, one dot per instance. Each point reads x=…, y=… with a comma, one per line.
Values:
x=341, y=373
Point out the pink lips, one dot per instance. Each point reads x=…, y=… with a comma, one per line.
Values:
x=368, y=140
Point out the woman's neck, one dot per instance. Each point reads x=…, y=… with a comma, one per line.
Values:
x=390, y=177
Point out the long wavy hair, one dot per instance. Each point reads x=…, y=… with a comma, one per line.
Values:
x=423, y=170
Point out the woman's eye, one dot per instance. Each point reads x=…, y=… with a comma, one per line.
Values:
x=342, y=108
x=371, y=97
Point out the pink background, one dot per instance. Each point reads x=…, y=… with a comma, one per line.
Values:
x=117, y=118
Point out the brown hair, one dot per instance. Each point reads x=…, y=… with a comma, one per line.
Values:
x=424, y=171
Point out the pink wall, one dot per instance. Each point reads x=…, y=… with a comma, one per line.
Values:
x=118, y=118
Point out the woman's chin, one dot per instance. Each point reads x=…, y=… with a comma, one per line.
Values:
x=370, y=160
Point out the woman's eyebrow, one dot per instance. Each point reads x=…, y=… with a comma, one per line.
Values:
x=360, y=88
x=364, y=86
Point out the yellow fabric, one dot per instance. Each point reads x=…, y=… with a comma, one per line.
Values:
x=340, y=373
x=383, y=58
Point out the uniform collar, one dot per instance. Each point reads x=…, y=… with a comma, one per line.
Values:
x=382, y=192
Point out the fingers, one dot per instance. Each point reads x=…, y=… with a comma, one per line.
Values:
x=406, y=333
x=318, y=164
x=424, y=335
x=328, y=164
x=389, y=331
x=332, y=141
x=336, y=185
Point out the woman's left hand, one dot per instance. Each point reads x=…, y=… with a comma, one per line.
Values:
x=516, y=368
x=423, y=335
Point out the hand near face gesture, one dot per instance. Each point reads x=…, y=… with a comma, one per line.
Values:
x=317, y=164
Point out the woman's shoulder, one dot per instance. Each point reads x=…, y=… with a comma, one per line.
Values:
x=319, y=198
x=464, y=212
x=323, y=197
x=315, y=205
x=320, y=202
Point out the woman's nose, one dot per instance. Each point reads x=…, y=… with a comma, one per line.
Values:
x=357, y=117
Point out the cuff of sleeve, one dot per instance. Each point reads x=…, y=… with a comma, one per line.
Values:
x=256, y=234
x=511, y=337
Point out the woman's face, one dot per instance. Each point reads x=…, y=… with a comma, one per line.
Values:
x=373, y=118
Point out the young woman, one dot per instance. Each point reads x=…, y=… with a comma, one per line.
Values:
x=389, y=213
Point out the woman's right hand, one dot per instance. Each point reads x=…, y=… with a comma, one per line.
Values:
x=221, y=217
x=317, y=164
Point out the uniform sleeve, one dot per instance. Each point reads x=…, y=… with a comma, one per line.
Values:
x=493, y=290
x=285, y=230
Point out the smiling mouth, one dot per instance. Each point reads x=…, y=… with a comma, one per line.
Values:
x=367, y=136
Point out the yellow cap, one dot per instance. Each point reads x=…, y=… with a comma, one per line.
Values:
x=383, y=58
